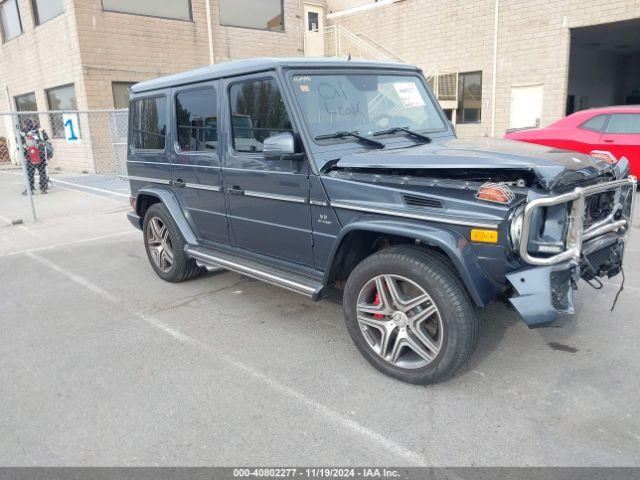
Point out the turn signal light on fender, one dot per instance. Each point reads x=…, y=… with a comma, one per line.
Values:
x=479, y=235
x=495, y=192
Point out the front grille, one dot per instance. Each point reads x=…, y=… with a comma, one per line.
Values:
x=415, y=201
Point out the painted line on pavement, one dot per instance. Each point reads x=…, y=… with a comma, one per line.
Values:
x=95, y=189
x=66, y=244
x=324, y=411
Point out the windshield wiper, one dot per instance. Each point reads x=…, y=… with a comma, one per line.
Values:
x=355, y=134
x=406, y=130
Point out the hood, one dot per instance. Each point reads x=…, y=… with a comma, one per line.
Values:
x=552, y=167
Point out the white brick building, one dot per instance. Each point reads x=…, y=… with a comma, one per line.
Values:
x=550, y=57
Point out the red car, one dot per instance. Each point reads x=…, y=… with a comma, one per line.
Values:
x=601, y=132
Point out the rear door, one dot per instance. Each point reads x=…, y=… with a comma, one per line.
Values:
x=147, y=162
x=196, y=168
x=622, y=138
x=267, y=199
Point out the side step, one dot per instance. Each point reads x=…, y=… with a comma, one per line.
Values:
x=281, y=278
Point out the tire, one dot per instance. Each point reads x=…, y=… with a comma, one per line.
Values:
x=432, y=339
x=161, y=238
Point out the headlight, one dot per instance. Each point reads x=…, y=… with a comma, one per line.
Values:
x=515, y=227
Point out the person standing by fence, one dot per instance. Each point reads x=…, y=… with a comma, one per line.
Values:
x=37, y=151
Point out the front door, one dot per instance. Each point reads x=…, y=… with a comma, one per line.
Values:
x=526, y=106
x=267, y=199
x=196, y=171
x=314, y=30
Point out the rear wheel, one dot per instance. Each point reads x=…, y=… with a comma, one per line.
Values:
x=165, y=246
x=409, y=315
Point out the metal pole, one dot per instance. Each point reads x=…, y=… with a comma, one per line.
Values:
x=23, y=161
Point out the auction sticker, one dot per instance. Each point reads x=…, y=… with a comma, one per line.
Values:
x=409, y=94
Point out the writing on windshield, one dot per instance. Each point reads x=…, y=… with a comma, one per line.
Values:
x=365, y=103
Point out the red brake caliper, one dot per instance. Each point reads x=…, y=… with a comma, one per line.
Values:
x=376, y=301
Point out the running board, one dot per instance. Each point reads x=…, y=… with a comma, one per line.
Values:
x=281, y=278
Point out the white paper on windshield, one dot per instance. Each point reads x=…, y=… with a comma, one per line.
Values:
x=409, y=94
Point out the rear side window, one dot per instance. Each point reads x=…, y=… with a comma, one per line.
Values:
x=624, y=123
x=595, y=124
x=149, y=123
x=257, y=112
x=197, y=120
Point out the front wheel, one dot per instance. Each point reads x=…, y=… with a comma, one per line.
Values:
x=409, y=315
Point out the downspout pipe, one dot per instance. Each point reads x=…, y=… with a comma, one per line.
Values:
x=494, y=79
x=209, y=31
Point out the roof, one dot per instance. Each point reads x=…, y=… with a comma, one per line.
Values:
x=240, y=67
x=613, y=109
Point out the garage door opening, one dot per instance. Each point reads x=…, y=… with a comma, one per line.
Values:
x=604, y=66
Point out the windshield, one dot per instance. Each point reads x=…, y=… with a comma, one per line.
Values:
x=365, y=103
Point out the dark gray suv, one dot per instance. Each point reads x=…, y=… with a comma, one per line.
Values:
x=326, y=175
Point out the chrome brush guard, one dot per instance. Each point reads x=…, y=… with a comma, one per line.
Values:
x=576, y=233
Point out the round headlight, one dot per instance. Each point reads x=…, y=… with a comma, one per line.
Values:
x=515, y=228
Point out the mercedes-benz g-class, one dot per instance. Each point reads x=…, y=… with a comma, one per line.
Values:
x=325, y=175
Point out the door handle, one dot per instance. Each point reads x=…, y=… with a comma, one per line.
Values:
x=609, y=140
x=178, y=183
x=235, y=190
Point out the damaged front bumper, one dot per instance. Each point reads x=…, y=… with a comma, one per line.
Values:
x=545, y=289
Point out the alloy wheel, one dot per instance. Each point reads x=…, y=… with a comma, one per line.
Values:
x=159, y=243
x=399, y=321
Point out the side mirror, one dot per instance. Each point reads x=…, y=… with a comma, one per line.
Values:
x=279, y=144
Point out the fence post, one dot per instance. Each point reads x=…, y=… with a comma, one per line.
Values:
x=21, y=157
x=89, y=144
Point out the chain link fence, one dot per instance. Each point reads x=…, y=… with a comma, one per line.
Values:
x=47, y=151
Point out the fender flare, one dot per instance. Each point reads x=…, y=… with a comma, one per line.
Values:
x=480, y=286
x=168, y=199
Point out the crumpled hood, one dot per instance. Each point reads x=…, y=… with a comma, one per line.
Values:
x=553, y=167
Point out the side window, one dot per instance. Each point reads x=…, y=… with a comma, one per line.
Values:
x=595, y=124
x=257, y=112
x=149, y=123
x=624, y=123
x=197, y=120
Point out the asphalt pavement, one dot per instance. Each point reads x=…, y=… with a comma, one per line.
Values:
x=104, y=364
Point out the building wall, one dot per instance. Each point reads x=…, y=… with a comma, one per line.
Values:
x=233, y=43
x=44, y=56
x=123, y=47
x=120, y=47
x=533, y=43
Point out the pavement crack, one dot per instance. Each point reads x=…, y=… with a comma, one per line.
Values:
x=186, y=301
